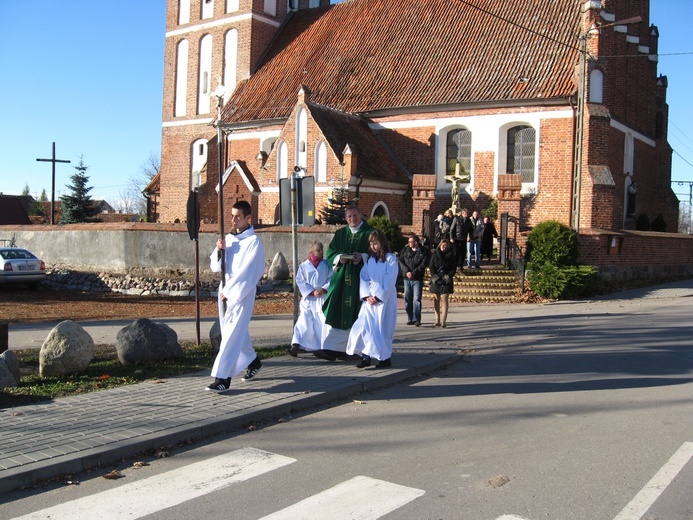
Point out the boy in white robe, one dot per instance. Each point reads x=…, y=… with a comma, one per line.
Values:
x=372, y=334
x=245, y=265
x=313, y=280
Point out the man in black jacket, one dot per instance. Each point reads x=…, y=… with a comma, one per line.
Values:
x=460, y=232
x=412, y=263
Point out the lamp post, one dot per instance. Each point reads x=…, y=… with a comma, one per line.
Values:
x=580, y=118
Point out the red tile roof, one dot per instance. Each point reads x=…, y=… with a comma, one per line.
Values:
x=365, y=55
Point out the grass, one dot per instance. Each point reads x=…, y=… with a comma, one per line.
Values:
x=105, y=371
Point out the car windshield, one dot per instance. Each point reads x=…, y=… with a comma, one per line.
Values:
x=15, y=254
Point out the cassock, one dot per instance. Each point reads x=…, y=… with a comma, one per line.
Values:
x=308, y=328
x=374, y=330
x=342, y=301
x=245, y=265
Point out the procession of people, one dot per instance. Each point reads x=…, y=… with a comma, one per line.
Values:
x=348, y=307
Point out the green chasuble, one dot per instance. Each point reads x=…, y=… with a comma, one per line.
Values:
x=342, y=303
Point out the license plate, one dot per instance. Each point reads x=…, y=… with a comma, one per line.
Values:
x=26, y=267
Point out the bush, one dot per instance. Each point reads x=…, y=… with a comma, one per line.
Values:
x=552, y=243
x=392, y=231
x=564, y=282
x=658, y=224
x=643, y=222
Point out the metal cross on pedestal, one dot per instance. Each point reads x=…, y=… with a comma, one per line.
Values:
x=53, y=160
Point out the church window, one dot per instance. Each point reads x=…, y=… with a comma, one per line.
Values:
x=230, y=59
x=232, y=6
x=458, y=151
x=301, y=137
x=282, y=162
x=320, y=162
x=271, y=7
x=183, y=12
x=204, y=100
x=596, y=86
x=181, y=89
x=521, y=152
x=198, y=162
x=207, y=9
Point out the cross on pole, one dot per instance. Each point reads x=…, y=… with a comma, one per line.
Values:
x=53, y=160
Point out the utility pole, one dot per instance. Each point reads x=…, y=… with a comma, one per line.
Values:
x=53, y=160
x=690, y=200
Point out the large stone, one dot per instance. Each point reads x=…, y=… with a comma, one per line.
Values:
x=279, y=270
x=68, y=349
x=9, y=369
x=146, y=341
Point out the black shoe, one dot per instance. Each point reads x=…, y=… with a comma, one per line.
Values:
x=323, y=354
x=252, y=370
x=410, y=322
x=293, y=350
x=219, y=385
x=417, y=323
x=365, y=362
x=385, y=363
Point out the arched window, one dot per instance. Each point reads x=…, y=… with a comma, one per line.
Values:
x=380, y=210
x=207, y=9
x=301, y=138
x=596, y=86
x=320, y=172
x=230, y=59
x=458, y=151
x=198, y=162
x=183, y=12
x=282, y=162
x=204, y=101
x=181, y=89
x=521, y=152
x=628, y=147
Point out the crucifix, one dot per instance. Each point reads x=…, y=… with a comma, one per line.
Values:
x=460, y=176
x=53, y=160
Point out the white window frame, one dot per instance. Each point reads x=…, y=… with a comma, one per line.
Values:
x=204, y=99
x=180, y=100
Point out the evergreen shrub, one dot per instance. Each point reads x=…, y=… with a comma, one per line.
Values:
x=392, y=230
x=563, y=282
x=552, y=243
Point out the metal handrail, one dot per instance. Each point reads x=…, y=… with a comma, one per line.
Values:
x=512, y=255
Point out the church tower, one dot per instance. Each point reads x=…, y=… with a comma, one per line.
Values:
x=208, y=43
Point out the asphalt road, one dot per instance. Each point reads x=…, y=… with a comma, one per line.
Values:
x=574, y=410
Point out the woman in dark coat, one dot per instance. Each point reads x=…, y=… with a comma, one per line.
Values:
x=443, y=266
x=487, y=241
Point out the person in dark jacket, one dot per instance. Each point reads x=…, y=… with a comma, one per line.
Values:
x=487, y=241
x=460, y=231
x=442, y=227
x=443, y=266
x=413, y=261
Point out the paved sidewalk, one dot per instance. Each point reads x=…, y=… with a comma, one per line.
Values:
x=68, y=435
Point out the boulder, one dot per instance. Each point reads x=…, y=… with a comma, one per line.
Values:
x=9, y=369
x=68, y=349
x=279, y=270
x=146, y=341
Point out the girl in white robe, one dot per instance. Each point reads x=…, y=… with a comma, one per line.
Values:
x=372, y=334
x=313, y=280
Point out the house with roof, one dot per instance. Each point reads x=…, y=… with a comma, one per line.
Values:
x=554, y=110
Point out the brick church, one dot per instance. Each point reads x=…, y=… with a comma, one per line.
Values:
x=555, y=110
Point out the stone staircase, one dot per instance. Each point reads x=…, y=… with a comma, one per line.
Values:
x=493, y=283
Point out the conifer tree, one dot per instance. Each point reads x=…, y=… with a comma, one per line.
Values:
x=78, y=206
x=337, y=203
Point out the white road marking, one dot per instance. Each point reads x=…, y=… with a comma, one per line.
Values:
x=361, y=498
x=168, y=489
x=510, y=517
x=657, y=484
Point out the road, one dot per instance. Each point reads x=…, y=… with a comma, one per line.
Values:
x=575, y=410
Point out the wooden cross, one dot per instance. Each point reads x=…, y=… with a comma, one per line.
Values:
x=53, y=160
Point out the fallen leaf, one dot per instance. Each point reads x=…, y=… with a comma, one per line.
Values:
x=103, y=377
x=113, y=475
x=499, y=481
x=252, y=428
x=139, y=464
x=359, y=402
x=161, y=454
x=158, y=381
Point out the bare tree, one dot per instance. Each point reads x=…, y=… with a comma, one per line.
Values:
x=131, y=198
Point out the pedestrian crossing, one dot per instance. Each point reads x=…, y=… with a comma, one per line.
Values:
x=349, y=500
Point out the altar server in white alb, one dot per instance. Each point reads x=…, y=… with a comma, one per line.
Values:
x=245, y=265
x=372, y=334
x=313, y=280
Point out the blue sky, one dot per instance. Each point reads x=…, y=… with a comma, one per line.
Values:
x=89, y=76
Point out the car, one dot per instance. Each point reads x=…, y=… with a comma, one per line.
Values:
x=21, y=266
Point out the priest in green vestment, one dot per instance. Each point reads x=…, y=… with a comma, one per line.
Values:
x=347, y=253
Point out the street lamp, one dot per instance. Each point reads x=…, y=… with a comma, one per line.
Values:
x=579, y=125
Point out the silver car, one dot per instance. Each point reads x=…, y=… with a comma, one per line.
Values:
x=20, y=266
